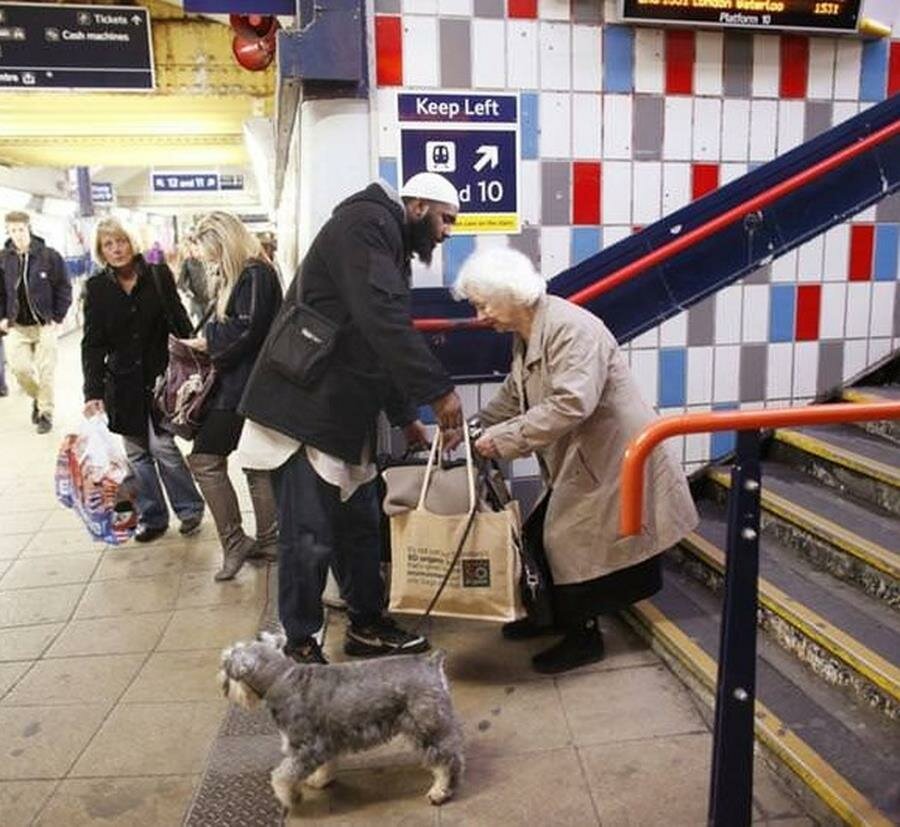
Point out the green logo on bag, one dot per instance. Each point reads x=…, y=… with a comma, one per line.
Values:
x=476, y=573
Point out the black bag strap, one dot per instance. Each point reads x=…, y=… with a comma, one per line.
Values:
x=207, y=315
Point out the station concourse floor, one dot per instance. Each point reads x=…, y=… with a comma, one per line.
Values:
x=110, y=712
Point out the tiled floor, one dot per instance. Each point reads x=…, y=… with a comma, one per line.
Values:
x=109, y=707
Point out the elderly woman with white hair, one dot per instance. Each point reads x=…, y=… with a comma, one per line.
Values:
x=571, y=400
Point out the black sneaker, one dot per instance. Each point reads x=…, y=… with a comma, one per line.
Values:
x=577, y=648
x=191, y=524
x=306, y=652
x=146, y=534
x=44, y=423
x=382, y=637
x=525, y=629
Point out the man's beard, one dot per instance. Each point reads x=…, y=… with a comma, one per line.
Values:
x=421, y=240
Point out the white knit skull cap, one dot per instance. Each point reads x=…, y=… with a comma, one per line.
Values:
x=431, y=186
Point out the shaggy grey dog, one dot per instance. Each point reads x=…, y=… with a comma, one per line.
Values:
x=323, y=711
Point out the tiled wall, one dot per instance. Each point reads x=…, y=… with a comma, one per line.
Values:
x=621, y=125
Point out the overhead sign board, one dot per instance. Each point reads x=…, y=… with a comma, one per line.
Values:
x=48, y=46
x=285, y=7
x=825, y=15
x=194, y=181
x=102, y=192
x=472, y=139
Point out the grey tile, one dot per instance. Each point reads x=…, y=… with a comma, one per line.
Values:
x=738, y=64
x=831, y=366
x=456, y=58
x=556, y=188
x=897, y=312
x=818, y=118
x=754, y=359
x=387, y=6
x=702, y=322
x=586, y=11
x=762, y=275
x=528, y=242
x=888, y=209
x=648, y=127
x=490, y=8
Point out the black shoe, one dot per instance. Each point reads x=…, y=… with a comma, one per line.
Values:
x=34, y=412
x=44, y=423
x=146, y=534
x=4, y=391
x=525, y=629
x=577, y=648
x=382, y=637
x=191, y=524
x=306, y=652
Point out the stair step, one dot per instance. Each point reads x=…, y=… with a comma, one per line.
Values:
x=887, y=429
x=841, y=751
x=845, y=637
x=845, y=458
x=857, y=542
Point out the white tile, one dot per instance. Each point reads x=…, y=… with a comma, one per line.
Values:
x=882, y=323
x=821, y=68
x=424, y=275
x=756, y=313
x=784, y=268
x=673, y=332
x=878, y=349
x=867, y=216
x=647, y=339
x=731, y=172
x=806, y=368
x=488, y=54
x=779, y=372
x=525, y=467
x=735, y=129
x=555, y=249
x=649, y=60
x=676, y=186
x=809, y=259
x=420, y=6
x=847, y=68
x=837, y=253
x=679, y=113
x=729, y=305
x=791, y=115
x=726, y=373
x=707, y=129
x=697, y=448
x=766, y=66
x=614, y=234
x=587, y=58
x=615, y=184
x=420, y=51
x=553, y=9
x=611, y=11
x=468, y=395
x=833, y=310
x=487, y=391
x=617, y=115
x=587, y=125
x=522, y=54
x=388, y=131
x=645, y=369
x=859, y=306
x=647, y=192
x=459, y=8
x=556, y=55
x=530, y=181
x=763, y=129
x=699, y=375
x=854, y=358
x=556, y=118
x=708, y=63
x=842, y=111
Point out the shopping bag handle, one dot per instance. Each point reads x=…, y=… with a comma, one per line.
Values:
x=434, y=456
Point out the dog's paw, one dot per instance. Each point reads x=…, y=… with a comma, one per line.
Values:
x=322, y=777
x=438, y=795
x=286, y=791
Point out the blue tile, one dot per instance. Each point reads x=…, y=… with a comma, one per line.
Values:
x=723, y=442
x=387, y=170
x=586, y=241
x=781, y=312
x=873, y=71
x=528, y=124
x=455, y=251
x=618, y=59
x=887, y=244
x=672, y=377
x=427, y=415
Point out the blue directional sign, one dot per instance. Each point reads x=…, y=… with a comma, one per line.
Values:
x=49, y=46
x=473, y=140
x=102, y=192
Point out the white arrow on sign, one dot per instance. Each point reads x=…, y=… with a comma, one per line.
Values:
x=137, y=20
x=488, y=154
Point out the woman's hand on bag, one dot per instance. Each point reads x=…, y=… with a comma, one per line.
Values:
x=416, y=435
x=198, y=343
x=486, y=446
x=93, y=407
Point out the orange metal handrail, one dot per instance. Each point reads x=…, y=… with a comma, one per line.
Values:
x=640, y=446
x=712, y=226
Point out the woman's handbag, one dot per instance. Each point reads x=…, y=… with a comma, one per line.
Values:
x=182, y=392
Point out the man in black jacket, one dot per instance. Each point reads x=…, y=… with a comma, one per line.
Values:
x=319, y=440
x=35, y=295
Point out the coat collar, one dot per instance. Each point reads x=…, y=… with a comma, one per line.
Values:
x=535, y=345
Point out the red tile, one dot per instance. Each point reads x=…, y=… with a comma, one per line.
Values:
x=388, y=50
x=794, y=66
x=585, y=192
x=526, y=9
x=679, y=62
x=704, y=179
x=809, y=304
x=862, y=237
x=894, y=70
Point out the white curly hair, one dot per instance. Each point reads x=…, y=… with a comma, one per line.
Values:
x=500, y=273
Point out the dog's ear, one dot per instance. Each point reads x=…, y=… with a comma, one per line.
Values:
x=276, y=640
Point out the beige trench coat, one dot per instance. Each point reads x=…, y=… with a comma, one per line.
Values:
x=570, y=398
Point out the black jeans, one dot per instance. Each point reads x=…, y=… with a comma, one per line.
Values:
x=315, y=530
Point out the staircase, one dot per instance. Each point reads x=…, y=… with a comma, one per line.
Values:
x=828, y=679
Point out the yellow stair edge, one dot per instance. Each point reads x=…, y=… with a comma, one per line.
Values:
x=869, y=664
x=848, y=803
x=840, y=456
x=865, y=550
x=861, y=397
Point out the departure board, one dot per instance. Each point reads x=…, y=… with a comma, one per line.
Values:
x=810, y=15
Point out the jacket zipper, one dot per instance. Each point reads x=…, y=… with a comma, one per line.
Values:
x=24, y=279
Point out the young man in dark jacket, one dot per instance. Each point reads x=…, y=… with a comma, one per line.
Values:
x=35, y=295
x=319, y=439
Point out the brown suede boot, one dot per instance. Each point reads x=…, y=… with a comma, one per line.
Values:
x=259, y=483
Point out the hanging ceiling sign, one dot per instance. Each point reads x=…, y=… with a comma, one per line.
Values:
x=195, y=181
x=825, y=15
x=102, y=192
x=47, y=46
x=473, y=140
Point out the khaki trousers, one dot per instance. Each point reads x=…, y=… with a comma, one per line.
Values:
x=31, y=355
